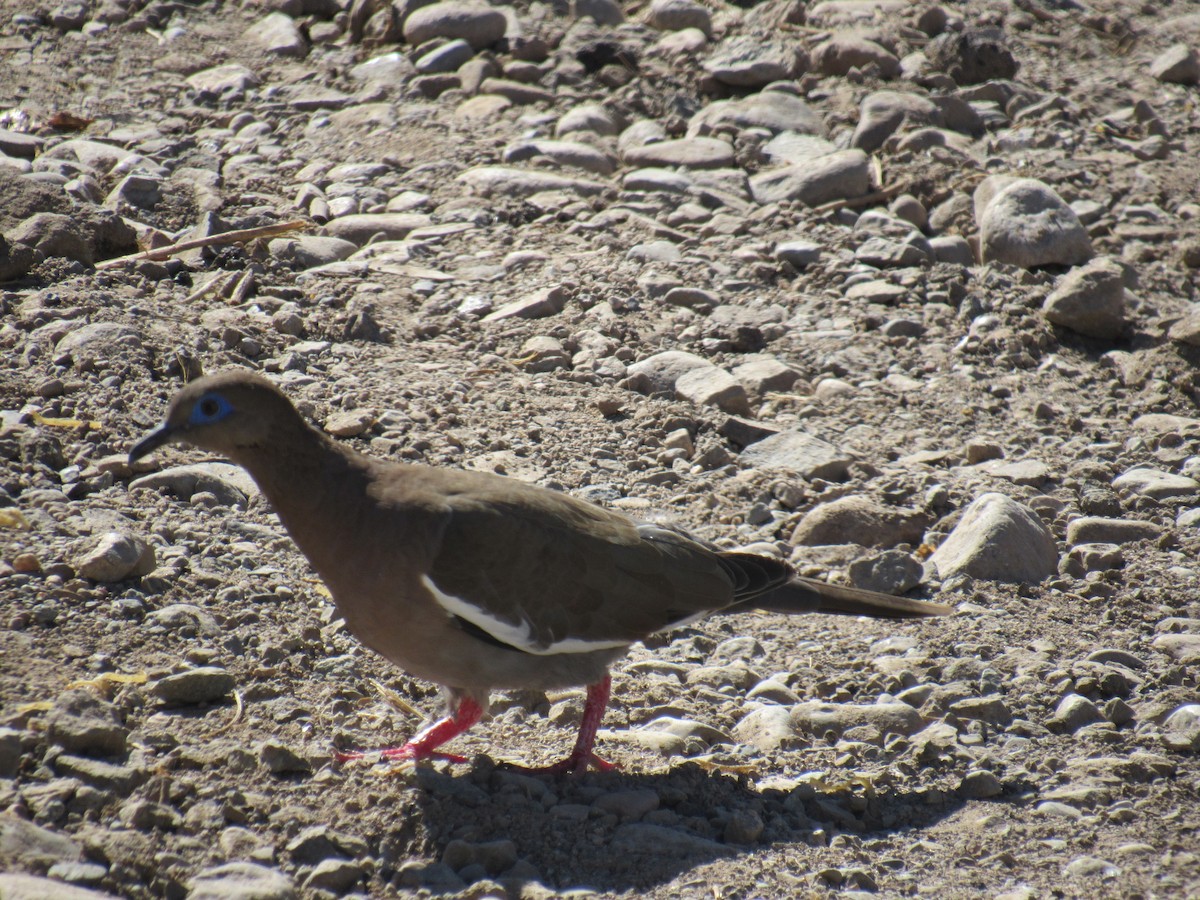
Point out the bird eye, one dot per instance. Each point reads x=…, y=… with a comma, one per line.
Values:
x=209, y=409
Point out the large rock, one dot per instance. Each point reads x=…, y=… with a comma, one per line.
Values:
x=859, y=520
x=837, y=176
x=1090, y=299
x=476, y=23
x=663, y=370
x=114, y=556
x=998, y=539
x=801, y=454
x=776, y=111
x=883, y=113
x=889, y=718
x=1023, y=222
x=747, y=62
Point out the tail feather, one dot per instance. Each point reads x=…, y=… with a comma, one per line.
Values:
x=801, y=595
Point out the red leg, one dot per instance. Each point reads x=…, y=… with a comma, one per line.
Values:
x=424, y=744
x=582, y=756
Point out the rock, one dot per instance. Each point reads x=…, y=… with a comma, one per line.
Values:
x=1097, y=530
x=349, y=423
x=1178, y=64
x=477, y=24
x=676, y=15
x=445, y=58
x=230, y=484
x=819, y=719
x=567, y=153
x=665, y=180
x=24, y=844
x=644, y=840
x=336, y=876
x=516, y=91
x=206, y=684
x=1184, y=648
x=241, y=881
x=280, y=759
x=1091, y=867
x=227, y=79
x=844, y=51
x=692, y=298
x=113, y=556
x=1181, y=729
x=798, y=254
x=32, y=887
x=775, y=111
x=1023, y=222
x=998, y=539
x=360, y=228
x=606, y=13
x=538, y=305
x=711, y=386
x=746, y=62
x=627, y=805
x=1074, y=712
x=309, y=250
x=769, y=729
x=972, y=56
x=837, y=176
x=883, y=113
x=980, y=785
x=1090, y=299
x=744, y=826
x=1157, y=484
x=799, y=453
x=764, y=374
x=502, y=180
x=850, y=13
x=278, y=33
x=890, y=572
x=859, y=520
x=89, y=345
x=689, y=152
x=80, y=722
x=590, y=117
x=11, y=751
x=662, y=370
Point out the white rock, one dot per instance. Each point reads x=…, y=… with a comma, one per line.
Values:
x=998, y=539
x=1023, y=222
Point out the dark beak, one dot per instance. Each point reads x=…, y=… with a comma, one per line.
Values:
x=160, y=436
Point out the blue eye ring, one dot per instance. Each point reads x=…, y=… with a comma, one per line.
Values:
x=209, y=409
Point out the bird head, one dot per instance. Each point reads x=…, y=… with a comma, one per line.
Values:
x=228, y=413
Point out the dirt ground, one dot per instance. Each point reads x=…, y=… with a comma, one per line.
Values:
x=224, y=784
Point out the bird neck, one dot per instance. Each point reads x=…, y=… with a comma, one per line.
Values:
x=316, y=487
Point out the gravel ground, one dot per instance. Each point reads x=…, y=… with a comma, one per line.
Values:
x=901, y=292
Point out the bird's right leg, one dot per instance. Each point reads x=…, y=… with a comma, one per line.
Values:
x=423, y=745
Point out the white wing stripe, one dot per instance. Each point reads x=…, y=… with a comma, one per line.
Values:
x=519, y=635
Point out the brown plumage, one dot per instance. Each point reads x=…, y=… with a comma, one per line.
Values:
x=476, y=581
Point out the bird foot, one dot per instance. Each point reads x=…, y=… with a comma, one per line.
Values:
x=407, y=751
x=575, y=764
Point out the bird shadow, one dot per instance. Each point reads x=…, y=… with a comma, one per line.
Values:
x=619, y=832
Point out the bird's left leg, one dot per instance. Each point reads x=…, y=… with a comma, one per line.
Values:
x=582, y=757
x=465, y=712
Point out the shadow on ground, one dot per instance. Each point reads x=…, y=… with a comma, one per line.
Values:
x=628, y=832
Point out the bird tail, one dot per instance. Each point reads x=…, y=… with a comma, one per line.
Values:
x=807, y=595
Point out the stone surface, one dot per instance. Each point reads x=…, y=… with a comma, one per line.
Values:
x=1023, y=222
x=1090, y=299
x=998, y=539
x=799, y=454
